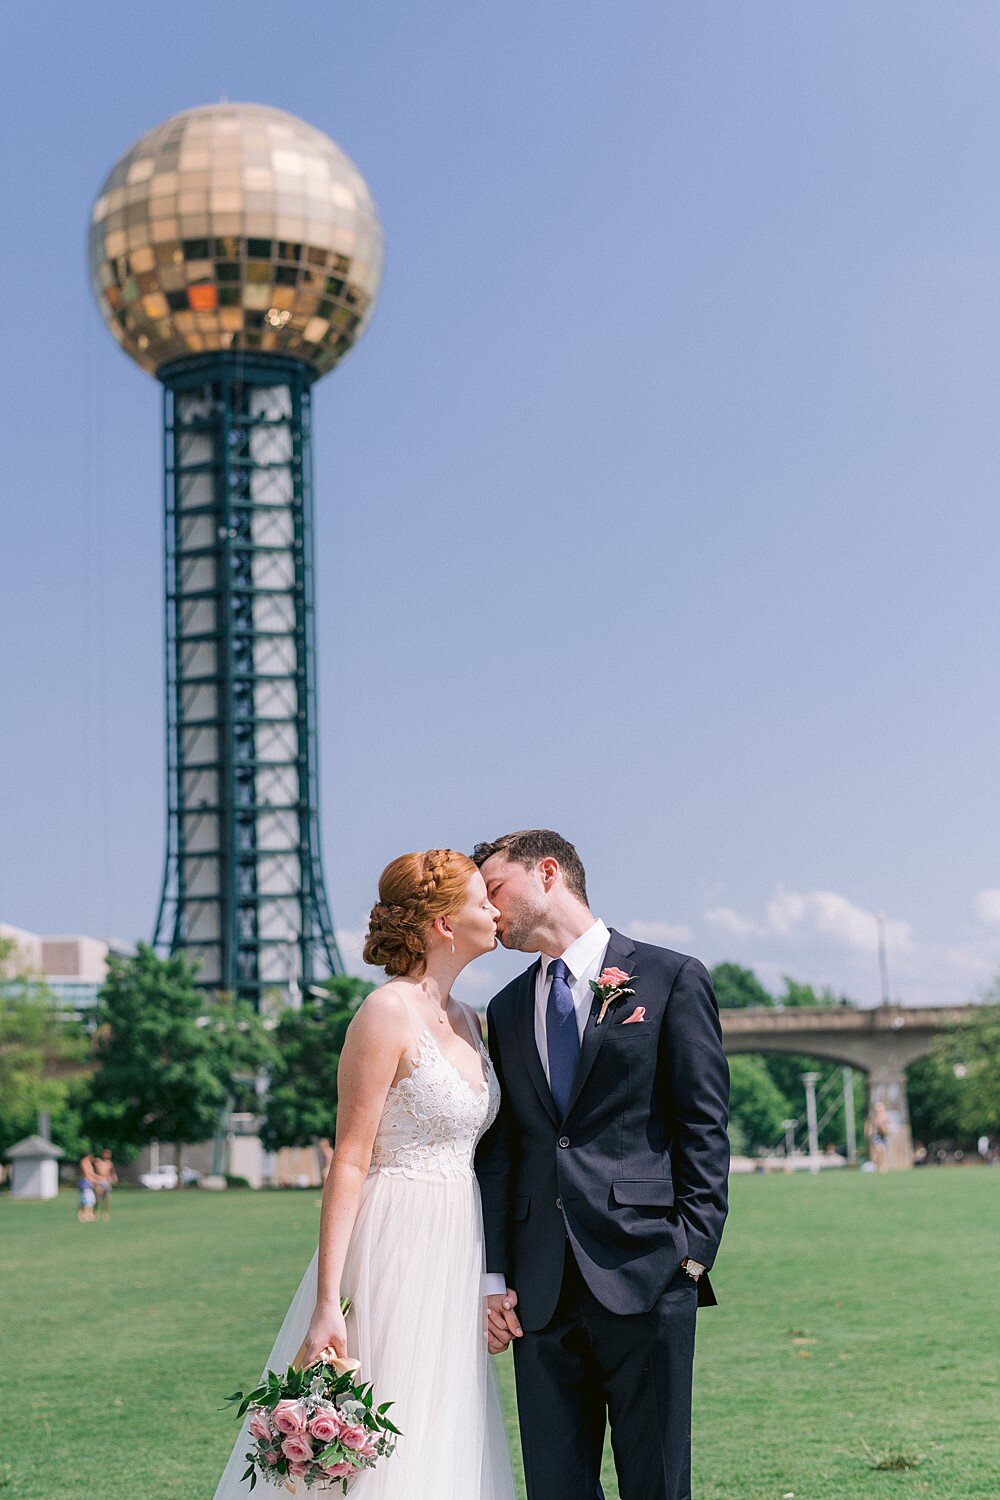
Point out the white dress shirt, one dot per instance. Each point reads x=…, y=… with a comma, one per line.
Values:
x=584, y=958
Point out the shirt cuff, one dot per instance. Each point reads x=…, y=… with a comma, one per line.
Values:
x=493, y=1284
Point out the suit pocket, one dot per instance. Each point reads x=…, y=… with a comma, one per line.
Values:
x=655, y=1193
x=522, y=1203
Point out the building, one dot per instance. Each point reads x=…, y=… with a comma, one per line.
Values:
x=35, y=1168
x=72, y=966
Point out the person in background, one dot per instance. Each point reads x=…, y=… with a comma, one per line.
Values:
x=86, y=1185
x=877, y=1129
x=105, y=1177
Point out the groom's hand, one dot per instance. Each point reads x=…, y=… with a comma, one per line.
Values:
x=494, y=1344
x=501, y=1320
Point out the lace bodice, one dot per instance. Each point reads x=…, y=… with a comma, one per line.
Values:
x=433, y=1119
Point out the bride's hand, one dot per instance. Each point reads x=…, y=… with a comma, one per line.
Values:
x=326, y=1330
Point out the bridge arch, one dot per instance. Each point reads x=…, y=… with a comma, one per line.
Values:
x=881, y=1043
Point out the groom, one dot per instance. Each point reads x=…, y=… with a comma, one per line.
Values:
x=603, y=1180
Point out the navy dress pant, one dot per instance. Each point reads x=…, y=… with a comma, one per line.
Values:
x=588, y=1367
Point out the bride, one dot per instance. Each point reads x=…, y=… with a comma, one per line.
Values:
x=401, y=1230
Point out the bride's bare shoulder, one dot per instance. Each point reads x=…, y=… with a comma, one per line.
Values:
x=381, y=1016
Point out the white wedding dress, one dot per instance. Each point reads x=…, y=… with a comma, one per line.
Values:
x=413, y=1272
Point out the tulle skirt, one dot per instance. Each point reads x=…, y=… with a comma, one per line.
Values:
x=412, y=1272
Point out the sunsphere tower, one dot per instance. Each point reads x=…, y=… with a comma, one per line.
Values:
x=235, y=254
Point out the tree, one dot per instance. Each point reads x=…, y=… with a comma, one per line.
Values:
x=758, y=1107
x=301, y=1104
x=974, y=1048
x=41, y=1054
x=755, y=1107
x=166, y=1054
x=799, y=994
x=737, y=988
x=934, y=1095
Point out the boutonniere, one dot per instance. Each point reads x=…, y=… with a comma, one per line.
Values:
x=610, y=986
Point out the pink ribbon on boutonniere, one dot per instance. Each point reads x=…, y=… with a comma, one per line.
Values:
x=610, y=986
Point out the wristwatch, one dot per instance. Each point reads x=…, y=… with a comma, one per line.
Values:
x=694, y=1268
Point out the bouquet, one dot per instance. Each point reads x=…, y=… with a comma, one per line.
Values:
x=319, y=1424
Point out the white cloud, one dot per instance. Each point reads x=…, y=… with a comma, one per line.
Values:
x=987, y=907
x=667, y=934
x=800, y=915
x=730, y=922
x=827, y=939
x=830, y=915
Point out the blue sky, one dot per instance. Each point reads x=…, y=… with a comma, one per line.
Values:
x=658, y=504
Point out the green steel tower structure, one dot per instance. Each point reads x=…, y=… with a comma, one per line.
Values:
x=235, y=254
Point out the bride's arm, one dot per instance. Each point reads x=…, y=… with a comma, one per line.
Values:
x=375, y=1042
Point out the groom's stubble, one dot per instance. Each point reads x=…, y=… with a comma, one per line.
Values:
x=520, y=925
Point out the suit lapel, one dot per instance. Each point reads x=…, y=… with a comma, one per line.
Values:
x=620, y=955
x=526, y=1037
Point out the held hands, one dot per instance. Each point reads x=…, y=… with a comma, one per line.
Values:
x=326, y=1330
x=501, y=1321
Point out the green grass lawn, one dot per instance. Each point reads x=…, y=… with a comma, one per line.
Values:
x=858, y=1320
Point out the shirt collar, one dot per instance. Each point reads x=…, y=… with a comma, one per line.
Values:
x=583, y=951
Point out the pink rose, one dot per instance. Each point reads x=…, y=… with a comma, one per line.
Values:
x=290, y=1417
x=259, y=1427
x=614, y=977
x=369, y=1450
x=354, y=1437
x=297, y=1449
x=270, y=1457
x=325, y=1425
x=297, y=1471
x=339, y=1470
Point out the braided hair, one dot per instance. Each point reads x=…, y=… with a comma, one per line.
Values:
x=413, y=891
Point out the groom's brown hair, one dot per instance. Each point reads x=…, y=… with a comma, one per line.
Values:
x=530, y=845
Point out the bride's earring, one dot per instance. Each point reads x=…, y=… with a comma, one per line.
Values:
x=453, y=947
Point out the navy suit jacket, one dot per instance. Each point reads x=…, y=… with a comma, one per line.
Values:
x=636, y=1171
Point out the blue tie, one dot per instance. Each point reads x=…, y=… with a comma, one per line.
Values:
x=561, y=1034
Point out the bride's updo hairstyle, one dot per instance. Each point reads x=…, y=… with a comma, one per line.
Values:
x=412, y=891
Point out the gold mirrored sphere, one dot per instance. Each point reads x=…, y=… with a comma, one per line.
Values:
x=232, y=227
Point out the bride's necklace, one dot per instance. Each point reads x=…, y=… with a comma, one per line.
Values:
x=442, y=1014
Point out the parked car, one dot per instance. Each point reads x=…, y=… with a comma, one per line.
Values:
x=166, y=1177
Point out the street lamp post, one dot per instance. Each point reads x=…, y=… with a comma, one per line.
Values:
x=849, y=1122
x=810, y=1080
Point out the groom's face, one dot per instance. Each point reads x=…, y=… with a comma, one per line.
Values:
x=519, y=896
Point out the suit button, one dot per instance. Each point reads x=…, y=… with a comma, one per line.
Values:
x=558, y=1203
x=564, y=1141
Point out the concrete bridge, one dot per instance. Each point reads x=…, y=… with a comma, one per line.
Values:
x=881, y=1043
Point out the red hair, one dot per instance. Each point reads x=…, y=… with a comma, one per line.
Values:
x=413, y=891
